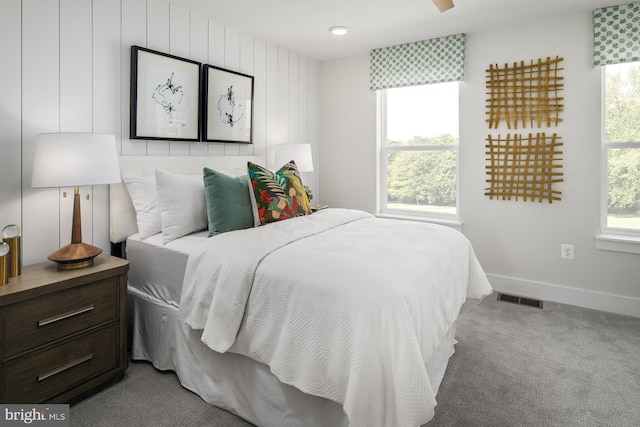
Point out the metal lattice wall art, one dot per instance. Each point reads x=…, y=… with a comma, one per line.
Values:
x=525, y=94
x=524, y=167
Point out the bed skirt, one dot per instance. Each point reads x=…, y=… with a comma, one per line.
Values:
x=234, y=382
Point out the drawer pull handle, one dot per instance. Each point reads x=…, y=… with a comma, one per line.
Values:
x=65, y=315
x=65, y=367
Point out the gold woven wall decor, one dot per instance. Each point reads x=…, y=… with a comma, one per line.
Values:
x=525, y=94
x=524, y=167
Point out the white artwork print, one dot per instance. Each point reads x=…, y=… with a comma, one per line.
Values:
x=229, y=103
x=168, y=103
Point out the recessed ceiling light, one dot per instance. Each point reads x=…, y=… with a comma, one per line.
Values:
x=339, y=30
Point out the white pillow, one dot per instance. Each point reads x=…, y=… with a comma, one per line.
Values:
x=182, y=203
x=142, y=190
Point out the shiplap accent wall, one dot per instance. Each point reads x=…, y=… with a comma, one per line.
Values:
x=66, y=68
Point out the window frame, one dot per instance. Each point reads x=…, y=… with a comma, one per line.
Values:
x=612, y=238
x=382, y=173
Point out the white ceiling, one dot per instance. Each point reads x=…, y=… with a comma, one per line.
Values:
x=302, y=25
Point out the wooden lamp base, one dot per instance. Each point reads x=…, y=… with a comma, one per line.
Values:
x=75, y=255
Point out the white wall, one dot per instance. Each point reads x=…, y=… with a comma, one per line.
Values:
x=348, y=134
x=66, y=68
x=518, y=243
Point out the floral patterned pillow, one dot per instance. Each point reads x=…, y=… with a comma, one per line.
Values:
x=278, y=195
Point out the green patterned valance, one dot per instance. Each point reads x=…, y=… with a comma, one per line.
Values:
x=430, y=61
x=616, y=34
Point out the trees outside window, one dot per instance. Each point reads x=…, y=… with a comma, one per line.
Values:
x=419, y=150
x=621, y=147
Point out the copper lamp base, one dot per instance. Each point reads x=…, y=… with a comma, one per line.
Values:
x=75, y=255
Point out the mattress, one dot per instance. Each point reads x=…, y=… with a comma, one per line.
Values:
x=158, y=270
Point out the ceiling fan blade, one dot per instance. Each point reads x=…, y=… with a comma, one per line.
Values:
x=443, y=5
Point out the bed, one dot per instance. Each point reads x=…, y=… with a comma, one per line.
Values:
x=335, y=318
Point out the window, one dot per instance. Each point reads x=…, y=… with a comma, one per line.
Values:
x=621, y=149
x=418, y=139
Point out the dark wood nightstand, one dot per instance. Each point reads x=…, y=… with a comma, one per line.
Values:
x=63, y=333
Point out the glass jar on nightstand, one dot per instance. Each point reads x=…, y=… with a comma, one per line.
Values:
x=11, y=236
x=4, y=263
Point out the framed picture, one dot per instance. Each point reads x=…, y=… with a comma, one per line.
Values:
x=165, y=96
x=228, y=105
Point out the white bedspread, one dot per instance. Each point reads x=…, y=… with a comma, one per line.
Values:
x=339, y=304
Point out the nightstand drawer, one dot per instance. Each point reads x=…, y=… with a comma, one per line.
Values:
x=42, y=375
x=41, y=320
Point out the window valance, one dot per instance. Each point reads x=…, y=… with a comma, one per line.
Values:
x=430, y=61
x=616, y=34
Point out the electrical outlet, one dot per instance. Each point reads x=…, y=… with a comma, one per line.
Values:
x=566, y=251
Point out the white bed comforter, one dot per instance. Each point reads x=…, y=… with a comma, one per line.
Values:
x=339, y=304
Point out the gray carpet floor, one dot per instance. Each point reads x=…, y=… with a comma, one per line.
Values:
x=514, y=366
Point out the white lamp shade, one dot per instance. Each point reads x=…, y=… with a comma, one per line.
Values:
x=299, y=153
x=74, y=159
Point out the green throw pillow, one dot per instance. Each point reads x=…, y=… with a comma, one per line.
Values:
x=278, y=195
x=228, y=202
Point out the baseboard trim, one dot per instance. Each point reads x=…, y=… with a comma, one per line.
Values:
x=566, y=295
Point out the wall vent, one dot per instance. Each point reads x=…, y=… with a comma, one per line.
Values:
x=520, y=300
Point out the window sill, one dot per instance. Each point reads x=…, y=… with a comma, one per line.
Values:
x=442, y=221
x=618, y=243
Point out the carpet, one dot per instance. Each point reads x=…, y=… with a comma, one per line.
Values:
x=514, y=366
x=560, y=366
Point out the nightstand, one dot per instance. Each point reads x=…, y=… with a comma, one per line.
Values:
x=62, y=332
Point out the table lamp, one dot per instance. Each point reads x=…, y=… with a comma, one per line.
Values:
x=299, y=153
x=75, y=160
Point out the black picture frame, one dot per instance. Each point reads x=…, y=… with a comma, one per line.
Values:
x=227, y=106
x=166, y=94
